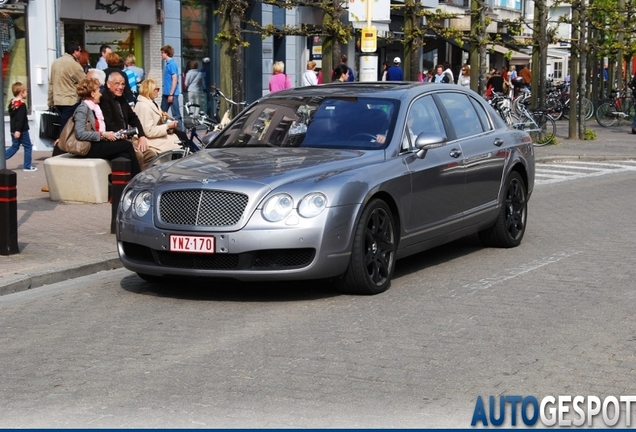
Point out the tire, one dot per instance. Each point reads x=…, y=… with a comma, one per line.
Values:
x=373, y=255
x=588, y=108
x=547, y=131
x=510, y=226
x=605, y=114
x=555, y=108
x=167, y=157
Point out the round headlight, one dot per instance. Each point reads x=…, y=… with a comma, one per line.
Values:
x=312, y=205
x=278, y=207
x=126, y=202
x=142, y=203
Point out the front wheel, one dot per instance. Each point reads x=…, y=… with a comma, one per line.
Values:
x=510, y=225
x=547, y=130
x=168, y=156
x=373, y=255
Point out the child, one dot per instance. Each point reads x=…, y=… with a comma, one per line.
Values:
x=20, y=126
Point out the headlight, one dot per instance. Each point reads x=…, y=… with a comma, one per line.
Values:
x=126, y=202
x=142, y=203
x=278, y=207
x=312, y=205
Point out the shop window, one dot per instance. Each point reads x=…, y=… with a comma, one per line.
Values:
x=558, y=70
x=123, y=40
x=13, y=33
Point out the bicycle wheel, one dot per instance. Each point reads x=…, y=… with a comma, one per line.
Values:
x=606, y=114
x=547, y=130
x=630, y=110
x=167, y=157
x=510, y=118
x=588, y=108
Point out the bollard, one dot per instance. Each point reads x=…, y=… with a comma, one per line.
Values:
x=120, y=177
x=8, y=213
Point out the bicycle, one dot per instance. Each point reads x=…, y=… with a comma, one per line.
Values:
x=195, y=141
x=538, y=123
x=222, y=121
x=501, y=104
x=620, y=107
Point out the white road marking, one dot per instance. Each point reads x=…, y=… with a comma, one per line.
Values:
x=571, y=170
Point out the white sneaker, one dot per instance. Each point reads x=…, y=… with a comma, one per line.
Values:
x=32, y=169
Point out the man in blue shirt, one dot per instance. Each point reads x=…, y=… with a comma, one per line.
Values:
x=343, y=60
x=170, y=95
x=103, y=51
x=394, y=73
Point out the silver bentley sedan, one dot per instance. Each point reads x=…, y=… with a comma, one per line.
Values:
x=333, y=181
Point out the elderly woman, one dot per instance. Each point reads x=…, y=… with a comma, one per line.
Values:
x=278, y=80
x=150, y=116
x=90, y=126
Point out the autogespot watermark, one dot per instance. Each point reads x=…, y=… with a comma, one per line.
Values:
x=553, y=410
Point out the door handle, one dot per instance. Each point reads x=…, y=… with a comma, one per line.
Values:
x=455, y=153
x=498, y=142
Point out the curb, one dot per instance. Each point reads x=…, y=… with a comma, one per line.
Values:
x=22, y=282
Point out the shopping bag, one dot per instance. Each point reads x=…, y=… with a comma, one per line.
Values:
x=50, y=124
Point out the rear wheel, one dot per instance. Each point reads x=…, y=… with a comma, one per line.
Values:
x=606, y=114
x=373, y=255
x=510, y=225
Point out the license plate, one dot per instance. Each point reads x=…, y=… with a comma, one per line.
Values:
x=194, y=244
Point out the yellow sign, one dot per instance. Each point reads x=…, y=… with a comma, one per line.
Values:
x=369, y=39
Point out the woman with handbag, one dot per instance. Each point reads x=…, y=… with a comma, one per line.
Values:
x=161, y=133
x=90, y=126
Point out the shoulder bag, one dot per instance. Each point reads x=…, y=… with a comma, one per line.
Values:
x=69, y=143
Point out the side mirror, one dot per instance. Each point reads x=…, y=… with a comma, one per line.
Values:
x=426, y=141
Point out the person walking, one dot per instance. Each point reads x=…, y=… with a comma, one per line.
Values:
x=171, y=92
x=19, y=125
x=66, y=73
x=130, y=62
x=440, y=75
x=343, y=61
x=194, y=84
x=309, y=77
x=395, y=73
x=279, y=81
x=464, y=76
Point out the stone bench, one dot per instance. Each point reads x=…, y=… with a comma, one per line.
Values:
x=71, y=178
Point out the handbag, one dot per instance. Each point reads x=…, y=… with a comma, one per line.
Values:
x=50, y=124
x=69, y=142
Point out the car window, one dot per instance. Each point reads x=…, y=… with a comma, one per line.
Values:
x=423, y=116
x=461, y=114
x=345, y=123
x=482, y=114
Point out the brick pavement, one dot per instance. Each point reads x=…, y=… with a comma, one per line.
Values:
x=60, y=241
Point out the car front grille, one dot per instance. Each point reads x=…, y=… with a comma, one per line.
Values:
x=201, y=207
x=272, y=259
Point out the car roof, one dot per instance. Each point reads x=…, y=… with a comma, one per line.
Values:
x=384, y=89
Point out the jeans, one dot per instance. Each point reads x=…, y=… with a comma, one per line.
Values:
x=25, y=140
x=174, y=108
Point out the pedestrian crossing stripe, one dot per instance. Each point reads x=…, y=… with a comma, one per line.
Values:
x=571, y=170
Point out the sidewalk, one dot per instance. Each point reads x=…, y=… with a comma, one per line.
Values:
x=60, y=241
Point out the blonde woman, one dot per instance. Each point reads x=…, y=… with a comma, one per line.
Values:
x=464, y=76
x=158, y=132
x=310, y=77
x=279, y=81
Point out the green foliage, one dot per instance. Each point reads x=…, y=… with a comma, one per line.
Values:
x=590, y=135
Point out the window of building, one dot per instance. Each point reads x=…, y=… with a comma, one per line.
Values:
x=13, y=33
x=558, y=70
x=123, y=39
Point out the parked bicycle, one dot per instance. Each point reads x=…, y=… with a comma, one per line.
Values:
x=538, y=123
x=201, y=126
x=501, y=103
x=619, y=107
x=216, y=96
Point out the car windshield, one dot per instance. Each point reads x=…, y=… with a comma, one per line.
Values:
x=365, y=123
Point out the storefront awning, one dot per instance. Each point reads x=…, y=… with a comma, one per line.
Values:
x=516, y=55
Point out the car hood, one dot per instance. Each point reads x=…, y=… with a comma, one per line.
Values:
x=232, y=167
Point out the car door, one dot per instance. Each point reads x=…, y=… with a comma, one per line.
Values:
x=437, y=179
x=484, y=156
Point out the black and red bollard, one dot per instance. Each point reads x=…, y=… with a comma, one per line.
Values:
x=8, y=213
x=119, y=178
